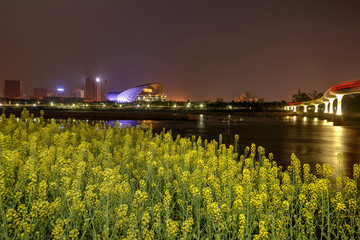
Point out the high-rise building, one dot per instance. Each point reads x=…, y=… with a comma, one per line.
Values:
x=63, y=92
x=12, y=89
x=92, y=89
x=40, y=92
x=51, y=92
x=77, y=93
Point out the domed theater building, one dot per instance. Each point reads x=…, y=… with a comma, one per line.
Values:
x=143, y=93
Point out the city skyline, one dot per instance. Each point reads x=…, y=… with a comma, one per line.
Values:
x=221, y=50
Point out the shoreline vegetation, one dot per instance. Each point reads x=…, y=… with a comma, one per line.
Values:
x=135, y=114
x=64, y=179
x=347, y=119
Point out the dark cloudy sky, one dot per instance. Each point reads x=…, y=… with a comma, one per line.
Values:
x=198, y=49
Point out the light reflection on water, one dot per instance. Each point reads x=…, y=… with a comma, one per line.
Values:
x=126, y=123
x=312, y=140
x=201, y=121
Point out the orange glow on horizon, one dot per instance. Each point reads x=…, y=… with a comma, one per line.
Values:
x=178, y=99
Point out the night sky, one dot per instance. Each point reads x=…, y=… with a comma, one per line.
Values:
x=198, y=50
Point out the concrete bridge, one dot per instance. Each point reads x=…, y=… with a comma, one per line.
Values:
x=335, y=93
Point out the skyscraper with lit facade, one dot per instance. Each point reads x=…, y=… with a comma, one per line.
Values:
x=77, y=93
x=92, y=89
x=12, y=89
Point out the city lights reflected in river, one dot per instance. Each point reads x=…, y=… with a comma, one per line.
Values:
x=313, y=141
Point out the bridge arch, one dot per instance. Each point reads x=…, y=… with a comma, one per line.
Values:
x=336, y=92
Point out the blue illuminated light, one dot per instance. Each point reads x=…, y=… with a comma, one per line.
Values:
x=133, y=94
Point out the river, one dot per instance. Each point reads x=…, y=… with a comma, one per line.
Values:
x=312, y=140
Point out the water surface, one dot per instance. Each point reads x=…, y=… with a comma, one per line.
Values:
x=312, y=140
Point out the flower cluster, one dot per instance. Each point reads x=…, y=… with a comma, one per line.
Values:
x=64, y=179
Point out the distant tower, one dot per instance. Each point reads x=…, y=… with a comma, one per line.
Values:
x=98, y=90
x=92, y=89
x=89, y=88
x=12, y=89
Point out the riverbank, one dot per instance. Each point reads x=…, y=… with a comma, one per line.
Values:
x=347, y=119
x=134, y=114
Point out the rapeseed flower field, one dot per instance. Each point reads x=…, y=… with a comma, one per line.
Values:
x=71, y=180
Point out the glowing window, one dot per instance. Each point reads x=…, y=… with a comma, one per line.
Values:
x=148, y=90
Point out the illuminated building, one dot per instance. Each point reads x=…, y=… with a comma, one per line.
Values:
x=253, y=99
x=63, y=92
x=12, y=89
x=242, y=98
x=146, y=92
x=42, y=93
x=77, y=93
x=51, y=93
x=92, y=89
